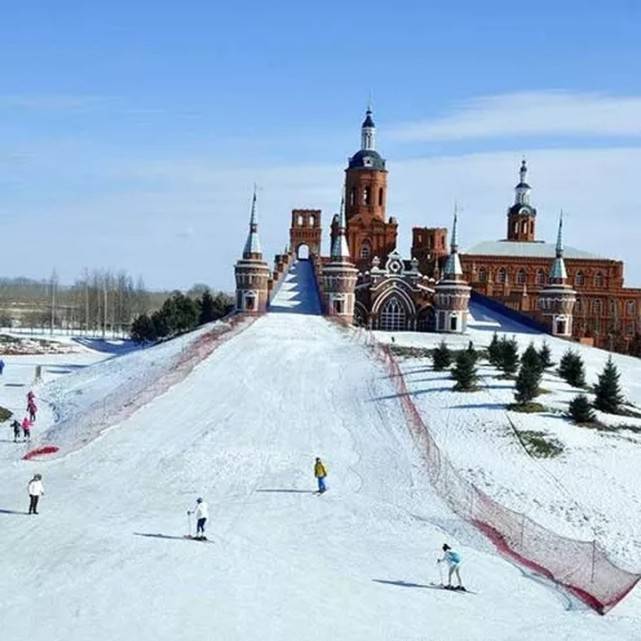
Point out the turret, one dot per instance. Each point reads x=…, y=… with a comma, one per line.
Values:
x=521, y=216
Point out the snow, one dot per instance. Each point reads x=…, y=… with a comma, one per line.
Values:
x=590, y=491
x=297, y=292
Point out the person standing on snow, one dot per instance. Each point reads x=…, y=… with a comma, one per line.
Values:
x=202, y=514
x=453, y=560
x=26, y=428
x=36, y=490
x=1, y=367
x=16, y=430
x=32, y=409
x=320, y=473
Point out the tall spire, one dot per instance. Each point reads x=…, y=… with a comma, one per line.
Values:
x=558, y=273
x=340, y=250
x=368, y=130
x=252, y=246
x=522, y=190
x=452, y=268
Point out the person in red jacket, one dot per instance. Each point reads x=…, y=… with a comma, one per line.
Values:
x=26, y=428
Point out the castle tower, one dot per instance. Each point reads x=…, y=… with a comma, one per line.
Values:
x=339, y=274
x=452, y=293
x=557, y=298
x=521, y=216
x=252, y=272
x=305, y=233
x=368, y=232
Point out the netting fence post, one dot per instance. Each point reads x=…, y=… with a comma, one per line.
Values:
x=593, y=560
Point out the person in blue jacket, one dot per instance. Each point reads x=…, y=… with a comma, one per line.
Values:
x=1, y=366
x=453, y=560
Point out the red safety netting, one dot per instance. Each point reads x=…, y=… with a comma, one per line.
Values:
x=582, y=567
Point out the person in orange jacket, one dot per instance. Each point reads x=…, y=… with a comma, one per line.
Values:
x=320, y=473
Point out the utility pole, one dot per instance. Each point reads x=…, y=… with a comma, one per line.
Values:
x=104, y=318
x=54, y=279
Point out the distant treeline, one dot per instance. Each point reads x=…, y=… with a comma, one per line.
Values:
x=99, y=300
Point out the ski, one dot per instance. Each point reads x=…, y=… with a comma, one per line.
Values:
x=189, y=537
x=440, y=586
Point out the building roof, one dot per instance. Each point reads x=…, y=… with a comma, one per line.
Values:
x=367, y=159
x=525, y=250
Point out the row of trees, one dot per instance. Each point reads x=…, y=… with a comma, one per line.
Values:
x=180, y=313
x=504, y=354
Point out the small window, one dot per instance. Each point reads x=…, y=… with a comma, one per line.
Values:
x=524, y=227
x=338, y=307
x=352, y=196
x=301, y=220
x=630, y=308
x=579, y=279
x=598, y=280
x=366, y=250
x=540, y=277
x=380, y=197
x=501, y=276
x=597, y=306
x=578, y=305
x=521, y=277
x=367, y=196
x=482, y=275
x=312, y=220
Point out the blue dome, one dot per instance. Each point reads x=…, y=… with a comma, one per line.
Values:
x=366, y=159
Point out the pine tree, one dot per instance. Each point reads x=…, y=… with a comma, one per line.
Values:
x=608, y=397
x=545, y=355
x=532, y=358
x=441, y=357
x=206, y=308
x=571, y=369
x=580, y=409
x=508, y=356
x=473, y=354
x=143, y=329
x=494, y=350
x=464, y=372
x=528, y=381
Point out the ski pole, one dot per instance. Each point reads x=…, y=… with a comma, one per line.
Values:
x=440, y=571
x=189, y=521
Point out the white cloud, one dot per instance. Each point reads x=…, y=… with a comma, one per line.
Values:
x=536, y=113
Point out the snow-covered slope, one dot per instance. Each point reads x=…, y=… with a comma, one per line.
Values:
x=106, y=560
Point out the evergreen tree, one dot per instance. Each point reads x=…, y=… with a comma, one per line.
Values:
x=580, y=409
x=143, y=329
x=608, y=397
x=494, y=350
x=441, y=357
x=464, y=371
x=571, y=369
x=545, y=355
x=206, y=308
x=508, y=356
x=532, y=358
x=528, y=381
x=473, y=354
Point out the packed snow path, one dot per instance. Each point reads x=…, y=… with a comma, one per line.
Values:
x=106, y=560
x=298, y=293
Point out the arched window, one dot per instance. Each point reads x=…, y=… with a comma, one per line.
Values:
x=352, y=196
x=301, y=220
x=312, y=220
x=613, y=307
x=501, y=276
x=516, y=228
x=366, y=250
x=630, y=308
x=578, y=307
x=540, y=277
x=579, y=279
x=380, y=197
x=367, y=196
x=393, y=317
x=521, y=277
x=532, y=227
x=597, y=306
x=598, y=280
x=524, y=227
x=482, y=275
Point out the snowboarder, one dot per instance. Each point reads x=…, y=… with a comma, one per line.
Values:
x=36, y=490
x=1, y=367
x=16, y=430
x=26, y=428
x=453, y=560
x=32, y=409
x=320, y=473
x=202, y=514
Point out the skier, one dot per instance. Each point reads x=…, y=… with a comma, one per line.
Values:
x=1, y=367
x=320, y=473
x=202, y=514
x=453, y=560
x=26, y=428
x=36, y=490
x=32, y=409
x=16, y=430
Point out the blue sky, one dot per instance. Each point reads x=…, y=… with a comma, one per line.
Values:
x=131, y=133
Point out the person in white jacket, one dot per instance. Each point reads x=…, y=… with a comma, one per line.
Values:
x=36, y=490
x=202, y=514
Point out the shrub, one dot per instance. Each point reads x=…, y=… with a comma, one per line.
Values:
x=472, y=353
x=528, y=381
x=441, y=357
x=546, y=356
x=508, y=360
x=494, y=350
x=143, y=329
x=532, y=358
x=608, y=397
x=580, y=410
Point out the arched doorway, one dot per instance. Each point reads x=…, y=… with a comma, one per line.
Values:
x=303, y=252
x=393, y=317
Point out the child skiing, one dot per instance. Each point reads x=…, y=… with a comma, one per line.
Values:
x=26, y=428
x=16, y=430
x=202, y=514
x=36, y=490
x=320, y=473
x=453, y=560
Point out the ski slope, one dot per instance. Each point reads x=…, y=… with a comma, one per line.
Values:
x=106, y=560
